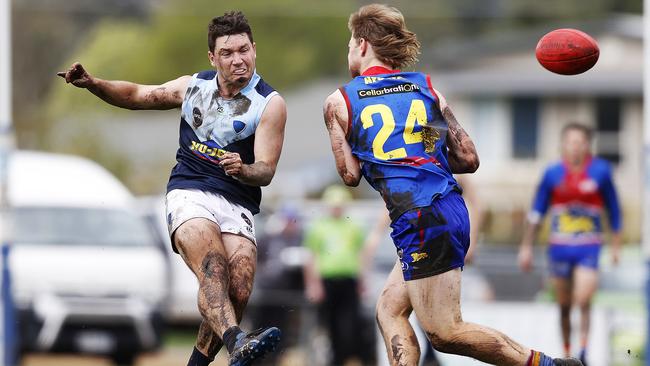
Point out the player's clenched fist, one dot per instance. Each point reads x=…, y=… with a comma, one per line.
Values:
x=77, y=75
x=231, y=164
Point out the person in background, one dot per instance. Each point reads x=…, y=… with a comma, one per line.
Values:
x=577, y=190
x=278, y=285
x=332, y=273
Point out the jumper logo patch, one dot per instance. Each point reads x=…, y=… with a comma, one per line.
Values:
x=418, y=256
x=246, y=219
x=396, y=89
x=374, y=79
x=197, y=117
x=568, y=223
x=238, y=126
x=249, y=223
x=207, y=152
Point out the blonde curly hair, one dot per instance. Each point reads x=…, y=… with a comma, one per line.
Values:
x=384, y=28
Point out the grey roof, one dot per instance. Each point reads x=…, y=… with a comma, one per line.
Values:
x=456, y=52
x=505, y=64
x=538, y=82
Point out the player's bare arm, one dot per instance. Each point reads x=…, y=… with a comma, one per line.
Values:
x=525, y=257
x=268, y=146
x=336, y=120
x=462, y=155
x=125, y=94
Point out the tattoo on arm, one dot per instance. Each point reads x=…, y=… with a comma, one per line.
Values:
x=462, y=154
x=345, y=162
x=458, y=136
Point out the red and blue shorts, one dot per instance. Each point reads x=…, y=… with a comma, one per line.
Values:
x=434, y=239
x=564, y=258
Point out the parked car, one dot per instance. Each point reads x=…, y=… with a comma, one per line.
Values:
x=180, y=307
x=87, y=276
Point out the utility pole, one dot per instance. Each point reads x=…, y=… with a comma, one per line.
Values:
x=7, y=315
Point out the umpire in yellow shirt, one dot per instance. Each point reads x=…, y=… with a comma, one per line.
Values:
x=332, y=273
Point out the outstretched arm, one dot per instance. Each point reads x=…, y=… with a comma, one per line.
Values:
x=462, y=155
x=336, y=120
x=125, y=94
x=268, y=146
x=533, y=222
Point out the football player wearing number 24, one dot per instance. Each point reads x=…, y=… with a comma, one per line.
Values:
x=398, y=132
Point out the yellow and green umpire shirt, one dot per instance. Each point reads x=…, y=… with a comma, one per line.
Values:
x=336, y=244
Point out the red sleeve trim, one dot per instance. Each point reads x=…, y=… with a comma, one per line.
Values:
x=348, y=105
x=433, y=92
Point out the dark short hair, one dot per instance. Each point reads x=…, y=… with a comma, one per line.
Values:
x=231, y=22
x=586, y=130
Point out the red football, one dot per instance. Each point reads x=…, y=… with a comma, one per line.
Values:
x=567, y=51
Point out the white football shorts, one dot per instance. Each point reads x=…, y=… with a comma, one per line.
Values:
x=185, y=204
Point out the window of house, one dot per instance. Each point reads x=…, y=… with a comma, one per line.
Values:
x=608, y=127
x=525, y=121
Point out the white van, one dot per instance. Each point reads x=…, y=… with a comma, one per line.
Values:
x=86, y=274
x=181, y=307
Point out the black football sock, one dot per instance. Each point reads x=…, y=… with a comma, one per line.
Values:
x=198, y=359
x=230, y=337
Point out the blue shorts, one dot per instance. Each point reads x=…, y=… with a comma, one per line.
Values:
x=564, y=258
x=434, y=239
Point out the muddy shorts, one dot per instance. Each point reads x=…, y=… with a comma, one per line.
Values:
x=185, y=204
x=434, y=239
